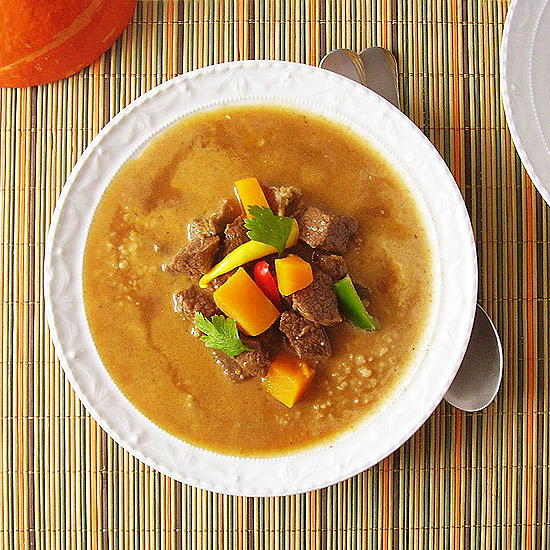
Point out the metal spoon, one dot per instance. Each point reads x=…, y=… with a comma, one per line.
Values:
x=478, y=379
x=345, y=63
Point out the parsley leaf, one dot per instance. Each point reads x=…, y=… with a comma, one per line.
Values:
x=268, y=228
x=220, y=333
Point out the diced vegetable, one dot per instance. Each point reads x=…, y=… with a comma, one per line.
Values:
x=294, y=234
x=241, y=299
x=351, y=306
x=220, y=333
x=293, y=274
x=246, y=252
x=250, y=193
x=268, y=228
x=267, y=283
x=287, y=379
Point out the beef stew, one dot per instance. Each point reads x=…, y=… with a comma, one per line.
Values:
x=155, y=355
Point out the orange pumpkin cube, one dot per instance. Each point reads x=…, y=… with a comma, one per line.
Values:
x=293, y=274
x=287, y=379
x=242, y=300
x=250, y=193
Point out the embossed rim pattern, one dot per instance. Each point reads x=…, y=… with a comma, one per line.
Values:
x=516, y=61
x=455, y=272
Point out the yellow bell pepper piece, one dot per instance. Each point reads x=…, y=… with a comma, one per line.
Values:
x=242, y=300
x=293, y=274
x=250, y=193
x=251, y=250
x=294, y=234
x=287, y=379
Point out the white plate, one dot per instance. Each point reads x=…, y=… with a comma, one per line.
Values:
x=455, y=275
x=525, y=82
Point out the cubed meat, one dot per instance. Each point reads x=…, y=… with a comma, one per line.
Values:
x=331, y=232
x=251, y=363
x=256, y=362
x=234, y=235
x=195, y=258
x=231, y=368
x=195, y=300
x=284, y=201
x=270, y=340
x=317, y=302
x=305, y=338
x=332, y=264
x=215, y=223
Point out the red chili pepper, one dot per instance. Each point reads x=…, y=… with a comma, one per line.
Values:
x=267, y=282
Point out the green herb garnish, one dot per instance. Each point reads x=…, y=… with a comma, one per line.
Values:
x=220, y=333
x=268, y=228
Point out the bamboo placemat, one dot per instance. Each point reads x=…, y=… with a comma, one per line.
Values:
x=463, y=481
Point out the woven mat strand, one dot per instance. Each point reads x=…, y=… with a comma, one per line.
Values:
x=463, y=481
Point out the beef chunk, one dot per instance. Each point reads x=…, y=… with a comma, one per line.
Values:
x=317, y=302
x=215, y=223
x=332, y=264
x=256, y=362
x=234, y=235
x=195, y=258
x=195, y=300
x=330, y=232
x=270, y=340
x=265, y=347
x=231, y=368
x=284, y=201
x=304, y=337
x=251, y=363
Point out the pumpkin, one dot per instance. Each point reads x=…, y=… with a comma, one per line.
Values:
x=45, y=40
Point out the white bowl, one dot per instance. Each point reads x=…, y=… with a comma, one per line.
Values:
x=455, y=275
x=524, y=80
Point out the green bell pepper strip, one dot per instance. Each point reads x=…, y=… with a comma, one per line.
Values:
x=351, y=306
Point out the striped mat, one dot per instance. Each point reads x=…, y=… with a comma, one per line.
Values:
x=463, y=481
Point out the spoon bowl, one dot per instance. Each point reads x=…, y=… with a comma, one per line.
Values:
x=478, y=378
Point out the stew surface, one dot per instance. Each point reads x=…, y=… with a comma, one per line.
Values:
x=141, y=221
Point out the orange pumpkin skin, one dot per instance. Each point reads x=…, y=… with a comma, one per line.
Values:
x=45, y=40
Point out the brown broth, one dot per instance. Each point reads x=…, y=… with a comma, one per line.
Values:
x=141, y=222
